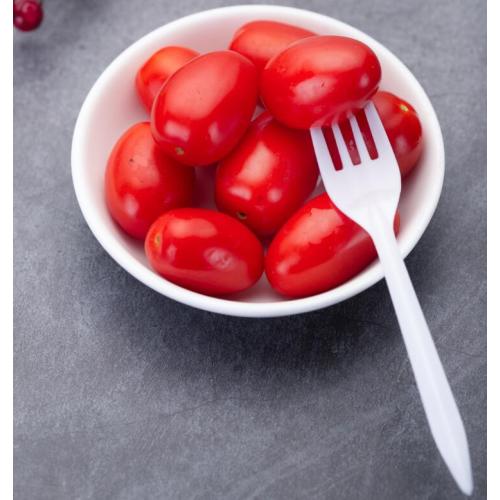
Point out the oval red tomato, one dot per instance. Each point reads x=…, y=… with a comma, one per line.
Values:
x=204, y=109
x=262, y=40
x=142, y=182
x=205, y=251
x=318, y=249
x=403, y=128
x=317, y=80
x=158, y=69
x=268, y=176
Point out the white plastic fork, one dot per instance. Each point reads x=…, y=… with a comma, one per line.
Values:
x=368, y=193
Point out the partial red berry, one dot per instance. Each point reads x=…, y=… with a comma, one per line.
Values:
x=28, y=14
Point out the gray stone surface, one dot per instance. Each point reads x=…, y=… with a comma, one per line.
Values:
x=121, y=393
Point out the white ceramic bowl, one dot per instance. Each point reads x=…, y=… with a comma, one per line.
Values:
x=111, y=107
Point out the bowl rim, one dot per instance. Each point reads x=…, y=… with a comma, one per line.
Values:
x=285, y=307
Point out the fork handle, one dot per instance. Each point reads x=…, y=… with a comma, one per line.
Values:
x=438, y=401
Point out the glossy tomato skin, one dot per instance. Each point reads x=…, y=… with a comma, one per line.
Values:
x=267, y=176
x=317, y=80
x=205, y=251
x=204, y=109
x=158, y=69
x=259, y=41
x=318, y=249
x=403, y=127
x=142, y=182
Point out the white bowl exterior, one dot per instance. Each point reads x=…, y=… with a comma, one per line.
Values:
x=112, y=106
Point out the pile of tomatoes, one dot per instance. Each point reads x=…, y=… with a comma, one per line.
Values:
x=203, y=112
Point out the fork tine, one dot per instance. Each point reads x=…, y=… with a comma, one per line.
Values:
x=341, y=146
x=323, y=157
x=378, y=131
x=359, y=140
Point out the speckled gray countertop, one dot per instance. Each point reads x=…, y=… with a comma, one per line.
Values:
x=122, y=393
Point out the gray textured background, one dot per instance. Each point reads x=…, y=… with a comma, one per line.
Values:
x=121, y=393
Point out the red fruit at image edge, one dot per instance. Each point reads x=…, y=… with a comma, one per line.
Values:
x=28, y=14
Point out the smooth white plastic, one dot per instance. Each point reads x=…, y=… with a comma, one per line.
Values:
x=369, y=193
x=112, y=106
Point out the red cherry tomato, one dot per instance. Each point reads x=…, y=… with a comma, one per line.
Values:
x=262, y=40
x=142, y=182
x=318, y=249
x=205, y=251
x=403, y=128
x=158, y=69
x=203, y=110
x=317, y=80
x=268, y=176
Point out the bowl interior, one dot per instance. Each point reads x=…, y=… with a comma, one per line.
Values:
x=112, y=106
